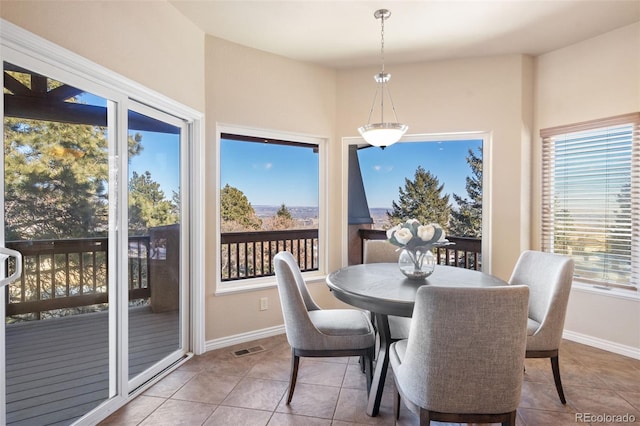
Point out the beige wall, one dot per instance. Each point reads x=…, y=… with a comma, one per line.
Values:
x=247, y=87
x=596, y=78
x=484, y=94
x=149, y=42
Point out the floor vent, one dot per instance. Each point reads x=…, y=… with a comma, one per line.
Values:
x=248, y=351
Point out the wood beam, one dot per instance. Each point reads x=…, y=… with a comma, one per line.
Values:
x=15, y=86
x=35, y=108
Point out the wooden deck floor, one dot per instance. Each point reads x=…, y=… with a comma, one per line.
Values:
x=57, y=369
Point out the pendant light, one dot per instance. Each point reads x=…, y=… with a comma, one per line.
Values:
x=383, y=133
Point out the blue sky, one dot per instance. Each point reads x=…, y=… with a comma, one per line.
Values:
x=160, y=154
x=270, y=174
x=384, y=171
x=256, y=169
x=161, y=157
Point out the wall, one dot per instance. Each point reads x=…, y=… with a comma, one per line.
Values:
x=484, y=94
x=149, y=42
x=247, y=87
x=596, y=78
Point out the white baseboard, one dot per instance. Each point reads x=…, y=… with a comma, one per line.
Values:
x=243, y=338
x=606, y=345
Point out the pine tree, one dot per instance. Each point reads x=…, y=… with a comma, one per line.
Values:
x=466, y=221
x=148, y=206
x=421, y=199
x=236, y=211
x=282, y=220
x=283, y=212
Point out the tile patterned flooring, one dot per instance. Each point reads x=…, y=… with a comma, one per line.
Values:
x=219, y=389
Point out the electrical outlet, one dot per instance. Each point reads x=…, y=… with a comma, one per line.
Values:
x=264, y=303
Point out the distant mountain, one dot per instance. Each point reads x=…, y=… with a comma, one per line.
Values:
x=378, y=214
x=302, y=213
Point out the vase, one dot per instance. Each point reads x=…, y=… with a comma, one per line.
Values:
x=417, y=264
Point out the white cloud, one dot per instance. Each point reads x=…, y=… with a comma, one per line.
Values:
x=262, y=166
x=383, y=169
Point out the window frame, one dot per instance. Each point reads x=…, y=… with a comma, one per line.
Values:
x=252, y=134
x=487, y=172
x=548, y=138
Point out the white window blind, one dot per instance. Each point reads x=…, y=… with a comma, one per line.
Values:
x=591, y=198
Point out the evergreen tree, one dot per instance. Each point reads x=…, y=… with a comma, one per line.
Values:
x=466, y=221
x=55, y=180
x=421, y=199
x=283, y=212
x=236, y=212
x=147, y=204
x=282, y=220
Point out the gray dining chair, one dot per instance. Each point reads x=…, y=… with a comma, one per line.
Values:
x=464, y=357
x=549, y=277
x=382, y=251
x=315, y=332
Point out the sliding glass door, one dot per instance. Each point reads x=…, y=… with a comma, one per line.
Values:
x=157, y=146
x=57, y=211
x=100, y=308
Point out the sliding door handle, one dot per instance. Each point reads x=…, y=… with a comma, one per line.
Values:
x=4, y=254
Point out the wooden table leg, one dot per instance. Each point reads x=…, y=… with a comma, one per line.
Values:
x=382, y=364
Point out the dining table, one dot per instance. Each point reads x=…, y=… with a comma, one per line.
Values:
x=383, y=290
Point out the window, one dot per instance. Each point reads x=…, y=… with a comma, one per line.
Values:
x=454, y=187
x=590, y=198
x=269, y=202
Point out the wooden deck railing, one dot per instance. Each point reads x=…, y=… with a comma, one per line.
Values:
x=464, y=253
x=63, y=274
x=250, y=254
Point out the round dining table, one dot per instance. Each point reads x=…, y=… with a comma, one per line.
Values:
x=382, y=289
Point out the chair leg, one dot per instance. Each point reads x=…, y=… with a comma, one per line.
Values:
x=362, y=361
x=555, y=367
x=425, y=417
x=396, y=405
x=368, y=367
x=295, y=360
x=512, y=419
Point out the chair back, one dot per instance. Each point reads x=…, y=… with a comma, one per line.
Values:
x=295, y=300
x=466, y=348
x=549, y=277
x=379, y=251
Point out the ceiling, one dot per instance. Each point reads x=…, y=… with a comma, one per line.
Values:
x=342, y=34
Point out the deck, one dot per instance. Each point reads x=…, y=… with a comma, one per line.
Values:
x=57, y=369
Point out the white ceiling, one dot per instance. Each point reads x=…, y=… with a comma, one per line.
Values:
x=343, y=34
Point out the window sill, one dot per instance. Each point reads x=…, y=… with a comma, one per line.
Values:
x=616, y=292
x=256, y=284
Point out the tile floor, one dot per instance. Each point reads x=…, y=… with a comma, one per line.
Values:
x=219, y=389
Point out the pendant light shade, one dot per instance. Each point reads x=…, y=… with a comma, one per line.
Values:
x=383, y=133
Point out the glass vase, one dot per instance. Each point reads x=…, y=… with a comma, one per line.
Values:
x=417, y=264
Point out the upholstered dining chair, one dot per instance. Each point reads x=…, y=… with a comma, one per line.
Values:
x=381, y=251
x=549, y=278
x=464, y=357
x=315, y=332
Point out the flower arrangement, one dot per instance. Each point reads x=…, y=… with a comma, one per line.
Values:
x=412, y=235
x=416, y=260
